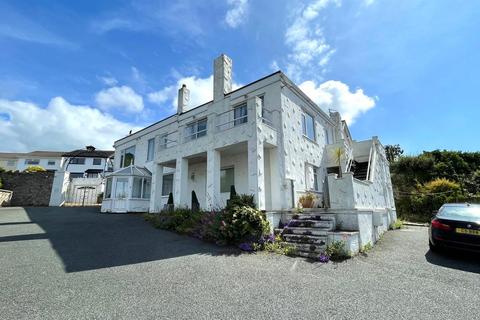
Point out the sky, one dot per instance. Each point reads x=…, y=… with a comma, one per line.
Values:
x=76, y=73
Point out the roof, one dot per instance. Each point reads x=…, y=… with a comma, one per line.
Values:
x=132, y=170
x=83, y=153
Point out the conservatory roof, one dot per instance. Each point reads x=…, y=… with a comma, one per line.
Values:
x=132, y=170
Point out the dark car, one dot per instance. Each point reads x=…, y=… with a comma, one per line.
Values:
x=456, y=225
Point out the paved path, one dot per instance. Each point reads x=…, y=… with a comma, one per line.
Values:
x=71, y=263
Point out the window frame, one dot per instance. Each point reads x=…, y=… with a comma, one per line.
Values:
x=108, y=188
x=241, y=119
x=195, y=134
x=51, y=163
x=226, y=189
x=76, y=160
x=123, y=157
x=150, y=149
x=163, y=184
x=97, y=164
x=304, y=126
x=32, y=162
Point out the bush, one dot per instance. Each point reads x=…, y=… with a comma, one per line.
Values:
x=243, y=200
x=336, y=251
x=243, y=224
x=1, y=183
x=35, y=169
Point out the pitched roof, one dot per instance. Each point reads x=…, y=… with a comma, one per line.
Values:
x=83, y=153
x=33, y=154
x=131, y=170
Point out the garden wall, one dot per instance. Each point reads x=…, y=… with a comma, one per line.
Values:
x=29, y=189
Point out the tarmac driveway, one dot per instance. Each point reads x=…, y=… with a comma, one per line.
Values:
x=73, y=263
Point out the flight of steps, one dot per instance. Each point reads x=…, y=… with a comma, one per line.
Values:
x=308, y=233
x=360, y=170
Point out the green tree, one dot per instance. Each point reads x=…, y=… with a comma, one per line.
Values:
x=393, y=152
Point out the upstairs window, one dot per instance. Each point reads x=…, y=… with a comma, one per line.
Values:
x=240, y=114
x=163, y=141
x=128, y=157
x=196, y=130
x=51, y=162
x=97, y=161
x=32, y=161
x=150, y=149
x=77, y=161
x=308, y=126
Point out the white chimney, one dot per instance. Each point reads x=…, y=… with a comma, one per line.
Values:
x=222, y=77
x=183, y=99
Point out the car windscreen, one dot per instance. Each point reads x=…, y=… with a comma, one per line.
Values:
x=468, y=212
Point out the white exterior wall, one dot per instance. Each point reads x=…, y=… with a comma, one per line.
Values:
x=79, y=168
x=21, y=166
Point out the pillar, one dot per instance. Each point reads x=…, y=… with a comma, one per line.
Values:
x=156, y=189
x=180, y=196
x=212, y=196
x=256, y=178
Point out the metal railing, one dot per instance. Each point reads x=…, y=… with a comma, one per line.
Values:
x=228, y=119
x=167, y=140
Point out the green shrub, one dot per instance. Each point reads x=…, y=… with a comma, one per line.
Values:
x=336, y=251
x=1, y=183
x=398, y=224
x=35, y=169
x=243, y=224
x=243, y=200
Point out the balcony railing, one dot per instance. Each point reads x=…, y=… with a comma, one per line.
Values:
x=168, y=140
x=230, y=119
x=267, y=117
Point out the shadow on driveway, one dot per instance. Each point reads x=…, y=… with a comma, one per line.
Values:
x=464, y=261
x=85, y=239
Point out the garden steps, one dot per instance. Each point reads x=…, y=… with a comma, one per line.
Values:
x=308, y=233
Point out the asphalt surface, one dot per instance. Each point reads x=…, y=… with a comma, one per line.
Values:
x=70, y=263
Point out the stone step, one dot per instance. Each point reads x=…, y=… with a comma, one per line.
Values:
x=309, y=255
x=297, y=238
x=314, y=216
x=305, y=247
x=305, y=231
x=328, y=224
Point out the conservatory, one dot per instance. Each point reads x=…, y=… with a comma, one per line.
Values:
x=127, y=190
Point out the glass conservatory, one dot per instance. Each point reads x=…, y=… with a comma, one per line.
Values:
x=127, y=190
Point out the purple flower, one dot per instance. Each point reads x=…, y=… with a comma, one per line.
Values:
x=245, y=246
x=271, y=238
x=323, y=258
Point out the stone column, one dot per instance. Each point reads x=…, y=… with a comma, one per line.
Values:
x=180, y=196
x=156, y=189
x=212, y=195
x=256, y=177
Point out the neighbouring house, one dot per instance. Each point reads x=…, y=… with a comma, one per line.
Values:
x=269, y=139
x=49, y=160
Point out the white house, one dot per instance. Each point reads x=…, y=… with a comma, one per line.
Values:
x=266, y=138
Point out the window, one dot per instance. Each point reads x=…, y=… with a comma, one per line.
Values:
x=327, y=136
x=51, y=162
x=97, y=161
x=77, y=161
x=167, y=185
x=121, y=188
x=240, y=114
x=128, y=157
x=150, y=149
x=108, y=188
x=10, y=163
x=227, y=179
x=308, y=126
x=163, y=141
x=196, y=130
x=141, y=188
x=74, y=175
x=146, y=188
x=312, y=177
x=32, y=161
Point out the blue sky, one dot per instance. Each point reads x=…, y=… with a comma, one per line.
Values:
x=86, y=72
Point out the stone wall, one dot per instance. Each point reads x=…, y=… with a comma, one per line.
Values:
x=29, y=189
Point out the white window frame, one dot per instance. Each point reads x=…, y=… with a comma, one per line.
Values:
x=304, y=126
x=241, y=119
x=163, y=183
x=122, y=157
x=195, y=134
x=150, y=149
x=33, y=162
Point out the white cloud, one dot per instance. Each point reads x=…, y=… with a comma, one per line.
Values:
x=337, y=95
x=201, y=91
x=306, y=40
x=237, y=14
x=109, y=81
x=59, y=126
x=123, y=98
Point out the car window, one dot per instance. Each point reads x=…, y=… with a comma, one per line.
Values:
x=459, y=211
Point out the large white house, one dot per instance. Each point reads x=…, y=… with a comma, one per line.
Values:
x=266, y=138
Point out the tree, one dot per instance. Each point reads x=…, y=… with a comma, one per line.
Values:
x=338, y=154
x=393, y=152
x=35, y=169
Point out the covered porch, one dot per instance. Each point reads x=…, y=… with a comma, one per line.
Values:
x=244, y=165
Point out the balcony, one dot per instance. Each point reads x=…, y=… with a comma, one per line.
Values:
x=231, y=118
x=168, y=140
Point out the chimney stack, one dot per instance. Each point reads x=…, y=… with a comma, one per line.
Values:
x=183, y=99
x=222, y=77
